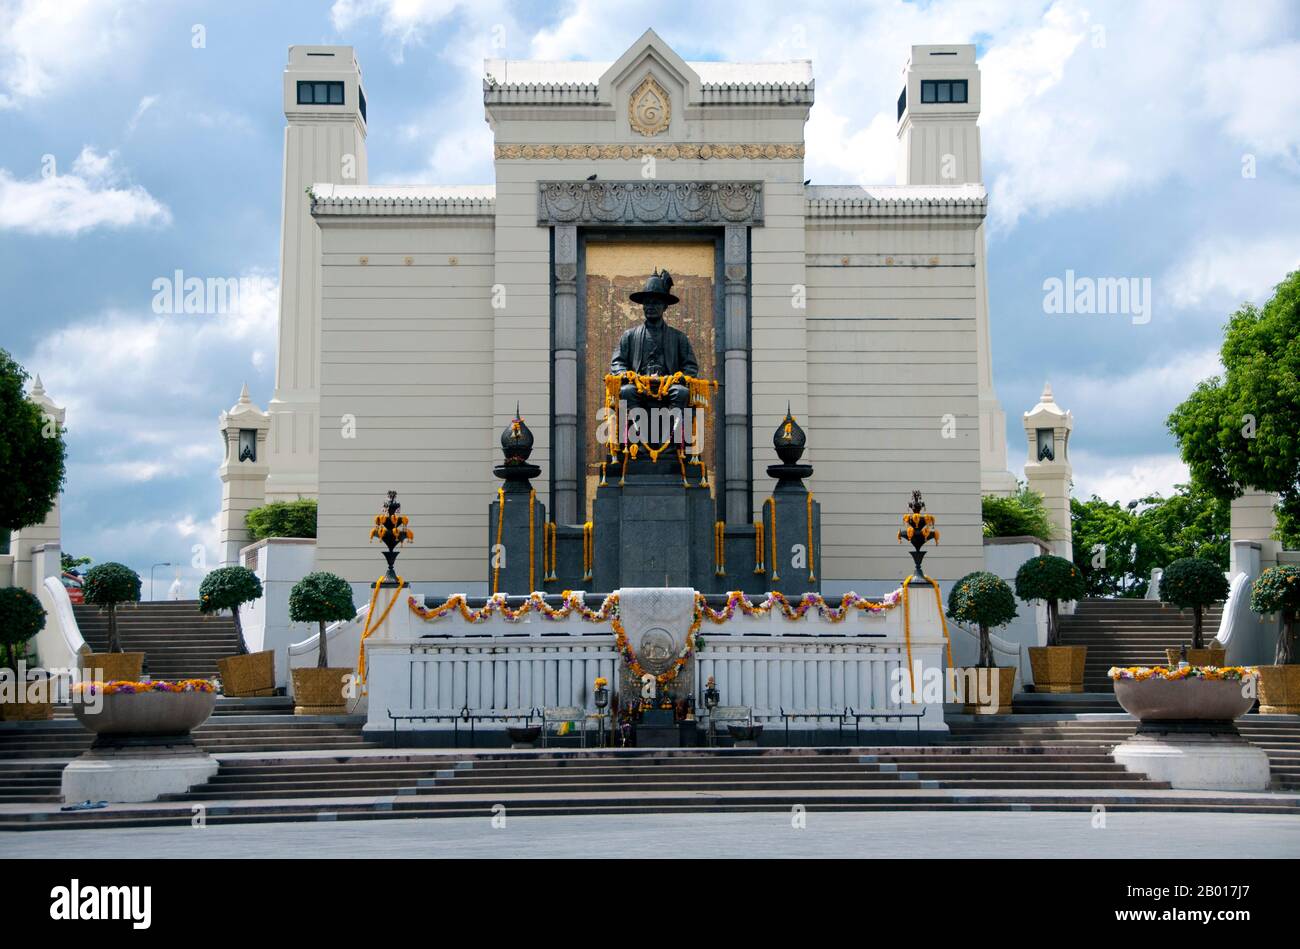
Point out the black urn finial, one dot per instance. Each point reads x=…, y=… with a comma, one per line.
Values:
x=789, y=439
x=392, y=530
x=517, y=439
x=918, y=530
x=517, y=445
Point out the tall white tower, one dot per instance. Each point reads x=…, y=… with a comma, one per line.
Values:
x=1047, y=468
x=939, y=144
x=324, y=141
x=243, y=473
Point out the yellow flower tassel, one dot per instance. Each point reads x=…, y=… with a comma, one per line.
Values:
x=498, y=550
x=720, y=549
x=758, y=548
x=812, y=565
x=772, y=502
x=587, y=546
x=532, y=498
x=372, y=624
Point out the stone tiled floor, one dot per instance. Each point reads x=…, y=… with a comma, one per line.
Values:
x=914, y=834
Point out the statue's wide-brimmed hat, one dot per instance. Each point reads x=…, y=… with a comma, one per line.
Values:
x=656, y=290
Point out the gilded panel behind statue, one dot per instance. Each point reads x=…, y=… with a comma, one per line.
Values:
x=616, y=269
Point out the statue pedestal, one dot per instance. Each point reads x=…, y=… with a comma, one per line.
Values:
x=658, y=729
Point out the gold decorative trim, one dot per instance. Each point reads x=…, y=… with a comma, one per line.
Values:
x=649, y=108
x=686, y=151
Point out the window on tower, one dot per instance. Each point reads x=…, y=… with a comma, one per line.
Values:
x=943, y=90
x=320, y=93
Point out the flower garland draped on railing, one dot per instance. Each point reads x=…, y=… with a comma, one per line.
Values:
x=809, y=601
x=571, y=603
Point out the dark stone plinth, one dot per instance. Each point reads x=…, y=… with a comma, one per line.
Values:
x=514, y=573
x=796, y=568
x=658, y=728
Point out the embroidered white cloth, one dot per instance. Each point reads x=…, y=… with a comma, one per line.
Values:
x=642, y=609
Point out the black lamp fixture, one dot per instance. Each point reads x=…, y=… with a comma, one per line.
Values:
x=711, y=695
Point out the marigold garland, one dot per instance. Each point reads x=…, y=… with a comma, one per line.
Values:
x=771, y=502
x=655, y=387
x=131, y=687
x=758, y=548
x=373, y=624
x=634, y=665
x=587, y=549
x=498, y=550
x=812, y=564
x=719, y=549
x=1177, y=673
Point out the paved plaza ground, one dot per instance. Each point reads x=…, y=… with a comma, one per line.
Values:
x=911, y=834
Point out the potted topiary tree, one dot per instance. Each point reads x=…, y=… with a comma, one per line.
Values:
x=320, y=598
x=229, y=588
x=21, y=618
x=107, y=586
x=1277, y=590
x=1056, y=668
x=985, y=599
x=1194, y=583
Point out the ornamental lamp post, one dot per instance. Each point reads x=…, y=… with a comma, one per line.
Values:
x=601, y=697
x=151, y=570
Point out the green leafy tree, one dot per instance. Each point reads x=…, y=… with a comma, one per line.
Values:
x=985, y=600
x=1112, y=548
x=282, y=519
x=1192, y=522
x=1277, y=590
x=1243, y=430
x=1193, y=583
x=229, y=588
x=321, y=598
x=1050, y=579
x=1023, y=514
x=32, y=453
x=68, y=563
x=109, y=585
x=21, y=618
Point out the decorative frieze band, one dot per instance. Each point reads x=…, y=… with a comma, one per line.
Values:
x=649, y=202
x=670, y=152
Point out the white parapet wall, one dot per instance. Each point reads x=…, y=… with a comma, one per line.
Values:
x=765, y=661
x=279, y=563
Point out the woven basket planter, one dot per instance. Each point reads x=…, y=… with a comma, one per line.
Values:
x=1279, y=690
x=319, y=691
x=1058, y=668
x=248, y=675
x=1005, y=684
x=1198, y=657
x=112, y=666
x=26, y=711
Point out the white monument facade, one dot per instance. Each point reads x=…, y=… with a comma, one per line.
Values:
x=415, y=318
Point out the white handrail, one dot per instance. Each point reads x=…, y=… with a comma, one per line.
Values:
x=60, y=643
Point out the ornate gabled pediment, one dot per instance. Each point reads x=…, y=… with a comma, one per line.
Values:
x=649, y=108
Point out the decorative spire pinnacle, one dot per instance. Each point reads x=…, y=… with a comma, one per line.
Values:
x=1047, y=393
x=38, y=387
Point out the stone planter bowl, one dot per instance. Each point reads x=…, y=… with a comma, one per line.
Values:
x=1183, y=700
x=523, y=736
x=745, y=735
x=146, y=713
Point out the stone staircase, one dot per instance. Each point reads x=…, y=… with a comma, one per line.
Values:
x=1277, y=735
x=32, y=754
x=414, y=784
x=1129, y=632
x=177, y=640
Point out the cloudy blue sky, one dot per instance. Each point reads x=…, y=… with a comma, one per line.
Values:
x=1156, y=140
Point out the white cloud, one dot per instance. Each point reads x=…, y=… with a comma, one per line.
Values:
x=1222, y=271
x=106, y=370
x=1125, y=479
x=46, y=46
x=146, y=103
x=93, y=195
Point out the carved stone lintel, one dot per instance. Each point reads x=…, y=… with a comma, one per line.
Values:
x=650, y=202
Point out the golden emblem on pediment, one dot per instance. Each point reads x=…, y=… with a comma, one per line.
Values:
x=649, y=109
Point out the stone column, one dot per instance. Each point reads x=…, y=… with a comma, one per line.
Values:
x=1252, y=518
x=568, y=464
x=735, y=379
